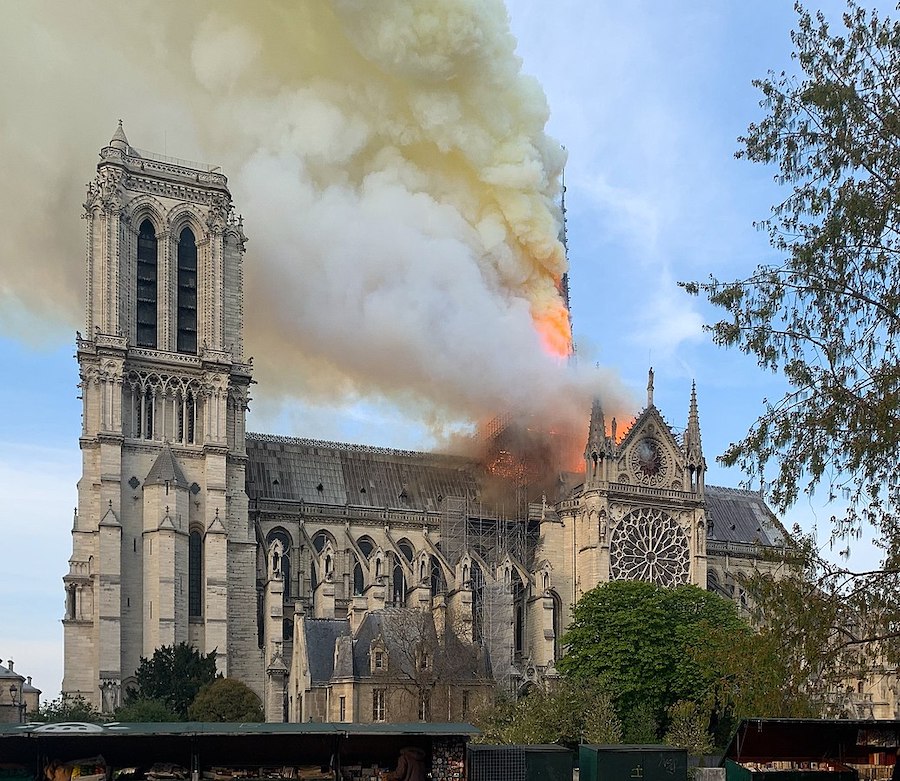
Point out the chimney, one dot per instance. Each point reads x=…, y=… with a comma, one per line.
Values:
x=10, y=665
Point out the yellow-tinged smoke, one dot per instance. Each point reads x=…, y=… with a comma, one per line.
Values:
x=390, y=159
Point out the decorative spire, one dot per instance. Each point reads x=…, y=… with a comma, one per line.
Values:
x=119, y=141
x=597, y=430
x=650, y=387
x=693, y=448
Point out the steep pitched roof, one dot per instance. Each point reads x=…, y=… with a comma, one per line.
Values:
x=735, y=515
x=166, y=467
x=321, y=635
x=321, y=472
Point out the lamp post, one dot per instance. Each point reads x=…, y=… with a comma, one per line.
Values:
x=15, y=696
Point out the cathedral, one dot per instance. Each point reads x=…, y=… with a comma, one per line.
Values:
x=341, y=582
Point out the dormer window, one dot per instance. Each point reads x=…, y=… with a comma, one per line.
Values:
x=145, y=332
x=378, y=660
x=187, y=293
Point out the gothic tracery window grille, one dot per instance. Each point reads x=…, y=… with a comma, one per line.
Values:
x=145, y=331
x=649, y=545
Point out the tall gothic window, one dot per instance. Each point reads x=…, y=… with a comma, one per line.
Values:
x=286, y=545
x=399, y=591
x=359, y=584
x=195, y=574
x=519, y=610
x=146, y=286
x=187, y=292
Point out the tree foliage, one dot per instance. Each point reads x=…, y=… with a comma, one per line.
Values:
x=821, y=635
x=653, y=646
x=226, y=699
x=828, y=315
x=143, y=710
x=569, y=714
x=67, y=709
x=173, y=675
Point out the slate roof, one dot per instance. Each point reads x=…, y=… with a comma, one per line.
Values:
x=402, y=626
x=321, y=634
x=735, y=515
x=166, y=467
x=320, y=472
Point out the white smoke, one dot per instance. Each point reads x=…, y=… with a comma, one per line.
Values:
x=390, y=159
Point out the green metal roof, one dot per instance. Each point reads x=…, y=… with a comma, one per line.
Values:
x=137, y=729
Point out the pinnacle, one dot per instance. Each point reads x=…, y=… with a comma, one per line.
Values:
x=119, y=140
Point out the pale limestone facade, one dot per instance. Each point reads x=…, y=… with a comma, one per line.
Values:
x=282, y=554
x=164, y=387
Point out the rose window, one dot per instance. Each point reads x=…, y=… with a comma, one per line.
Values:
x=649, y=545
x=649, y=462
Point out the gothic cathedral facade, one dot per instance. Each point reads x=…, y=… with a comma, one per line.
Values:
x=298, y=561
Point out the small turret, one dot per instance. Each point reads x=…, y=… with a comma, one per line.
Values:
x=119, y=141
x=693, y=448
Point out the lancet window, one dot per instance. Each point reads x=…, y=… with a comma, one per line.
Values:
x=195, y=574
x=187, y=293
x=147, y=288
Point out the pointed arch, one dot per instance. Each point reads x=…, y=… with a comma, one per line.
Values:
x=195, y=574
x=359, y=583
x=282, y=535
x=366, y=544
x=398, y=590
x=147, y=286
x=186, y=306
x=557, y=623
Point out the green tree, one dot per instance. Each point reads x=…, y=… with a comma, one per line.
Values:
x=568, y=714
x=226, y=699
x=67, y=709
x=142, y=710
x=826, y=315
x=688, y=728
x=651, y=646
x=173, y=675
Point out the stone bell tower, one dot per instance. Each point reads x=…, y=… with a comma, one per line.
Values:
x=161, y=551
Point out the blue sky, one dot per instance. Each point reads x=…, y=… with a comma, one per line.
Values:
x=648, y=98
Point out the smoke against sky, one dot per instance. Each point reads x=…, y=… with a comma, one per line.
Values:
x=390, y=159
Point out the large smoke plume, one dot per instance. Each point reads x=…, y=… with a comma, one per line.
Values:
x=390, y=160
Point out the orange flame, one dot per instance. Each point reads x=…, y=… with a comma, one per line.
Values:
x=554, y=330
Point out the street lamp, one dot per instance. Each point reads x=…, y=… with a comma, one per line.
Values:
x=14, y=696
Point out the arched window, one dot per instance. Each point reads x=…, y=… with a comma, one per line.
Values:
x=185, y=416
x=477, y=604
x=557, y=623
x=187, y=293
x=399, y=589
x=366, y=546
x=145, y=335
x=195, y=574
x=320, y=540
x=147, y=418
x=284, y=538
x=438, y=584
x=519, y=608
x=359, y=584
x=406, y=549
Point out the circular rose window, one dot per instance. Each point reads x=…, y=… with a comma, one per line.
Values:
x=648, y=544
